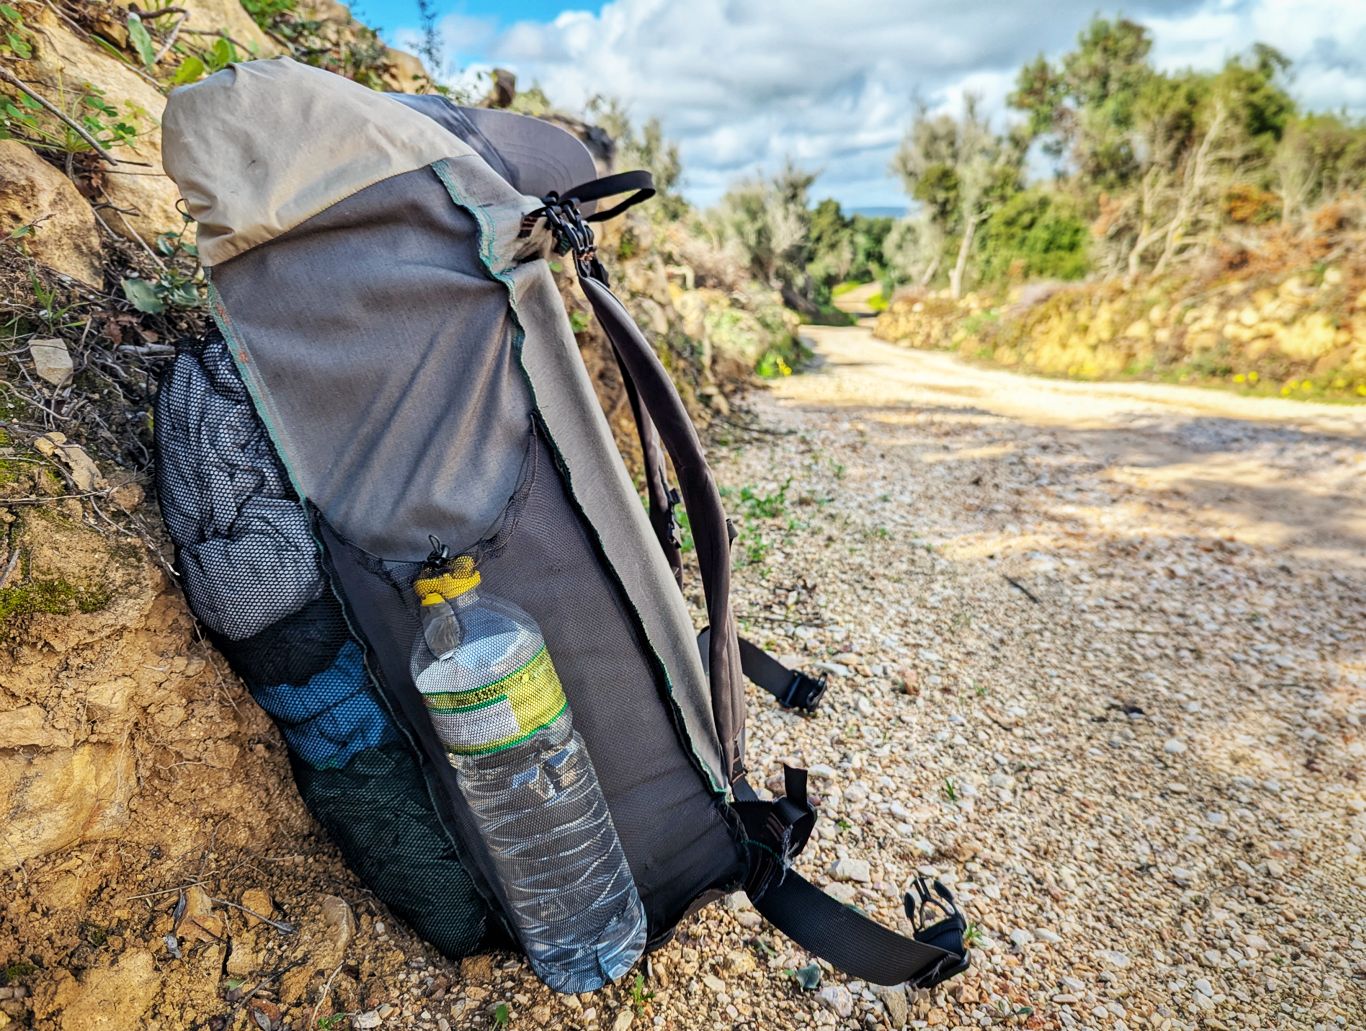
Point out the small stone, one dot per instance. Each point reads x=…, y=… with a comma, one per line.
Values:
x=1114, y=958
x=365, y=1021
x=1020, y=938
x=339, y=929
x=893, y=1000
x=260, y=903
x=127, y=497
x=1203, y=986
x=1174, y=746
x=837, y=669
x=714, y=983
x=821, y=772
x=851, y=870
x=837, y=999
x=199, y=921
x=84, y=472
x=739, y=962
x=623, y=1021
x=1045, y=935
x=1183, y=876
x=51, y=359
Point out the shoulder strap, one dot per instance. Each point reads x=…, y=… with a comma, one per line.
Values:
x=841, y=935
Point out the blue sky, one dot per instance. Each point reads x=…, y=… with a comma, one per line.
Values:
x=742, y=85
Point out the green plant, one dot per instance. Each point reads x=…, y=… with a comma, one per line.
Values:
x=333, y=1021
x=29, y=122
x=772, y=365
x=15, y=971
x=14, y=42
x=972, y=936
x=764, y=506
x=502, y=1016
x=142, y=41
x=178, y=286
x=950, y=789
x=195, y=66
x=640, y=995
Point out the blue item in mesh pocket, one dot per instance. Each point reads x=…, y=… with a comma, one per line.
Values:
x=333, y=716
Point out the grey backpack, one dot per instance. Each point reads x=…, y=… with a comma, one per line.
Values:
x=392, y=362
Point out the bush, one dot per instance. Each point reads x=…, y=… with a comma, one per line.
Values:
x=1036, y=234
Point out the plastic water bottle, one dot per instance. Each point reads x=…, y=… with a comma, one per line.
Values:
x=497, y=705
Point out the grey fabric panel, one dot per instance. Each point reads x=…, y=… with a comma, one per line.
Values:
x=337, y=321
x=675, y=836
x=566, y=401
x=381, y=350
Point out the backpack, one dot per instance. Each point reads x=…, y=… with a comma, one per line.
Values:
x=392, y=362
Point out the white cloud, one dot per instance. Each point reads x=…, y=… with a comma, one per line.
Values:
x=832, y=83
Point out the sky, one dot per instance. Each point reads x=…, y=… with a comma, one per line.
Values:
x=832, y=84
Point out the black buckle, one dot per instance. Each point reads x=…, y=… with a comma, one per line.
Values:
x=804, y=692
x=946, y=934
x=674, y=528
x=775, y=832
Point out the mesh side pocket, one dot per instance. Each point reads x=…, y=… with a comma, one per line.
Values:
x=543, y=559
x=252, y=573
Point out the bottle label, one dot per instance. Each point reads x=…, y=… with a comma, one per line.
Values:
x=501, y=714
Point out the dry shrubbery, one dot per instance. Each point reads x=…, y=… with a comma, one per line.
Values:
x=1269, y=311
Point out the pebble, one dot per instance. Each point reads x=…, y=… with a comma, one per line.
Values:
x=365, y=1021
x=1115, y=958
x=837, y=999
x=1020, y=938
x=851, y=870
x=1174, y=746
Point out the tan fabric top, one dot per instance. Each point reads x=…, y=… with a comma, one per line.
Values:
x=262, y=146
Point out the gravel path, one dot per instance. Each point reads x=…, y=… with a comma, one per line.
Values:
x=1099, y=655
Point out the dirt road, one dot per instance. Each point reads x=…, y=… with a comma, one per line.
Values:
x=1098, y=654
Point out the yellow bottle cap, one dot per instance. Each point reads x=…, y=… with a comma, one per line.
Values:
x=453, y=580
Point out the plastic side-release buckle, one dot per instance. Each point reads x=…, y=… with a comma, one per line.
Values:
x=946, y=933
x=804, y=693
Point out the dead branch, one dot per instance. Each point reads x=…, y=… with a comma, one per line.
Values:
x=19, y=84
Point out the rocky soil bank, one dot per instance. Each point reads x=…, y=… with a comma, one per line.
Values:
x=1286, y=330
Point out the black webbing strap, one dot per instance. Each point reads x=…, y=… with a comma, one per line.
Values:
x=839, y=934
x=793, y=688
x=640, y=184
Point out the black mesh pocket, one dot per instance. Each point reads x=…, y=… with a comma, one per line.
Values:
x=252, y=573
x=543, y=558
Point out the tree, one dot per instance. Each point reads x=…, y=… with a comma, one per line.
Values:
x=768, y=221
x=1084, y=107
x=643, y=147
x=959, y=170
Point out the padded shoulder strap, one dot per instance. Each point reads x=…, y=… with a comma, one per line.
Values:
x=841, y=935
